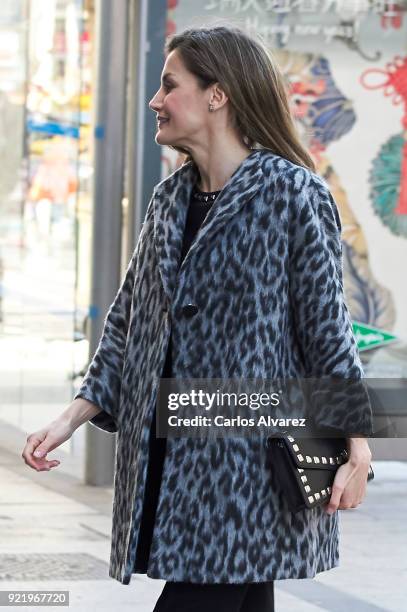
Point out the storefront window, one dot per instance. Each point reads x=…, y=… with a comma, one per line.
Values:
x=45, y=179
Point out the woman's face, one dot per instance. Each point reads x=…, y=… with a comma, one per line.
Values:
x=182, y=104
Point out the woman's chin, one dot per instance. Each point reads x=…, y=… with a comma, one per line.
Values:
x=161, y=139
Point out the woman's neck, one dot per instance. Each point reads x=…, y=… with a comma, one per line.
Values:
x=216, y=169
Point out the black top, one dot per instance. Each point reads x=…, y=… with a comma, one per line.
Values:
x=199, y=206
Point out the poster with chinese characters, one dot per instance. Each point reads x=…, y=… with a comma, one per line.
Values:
x=345, y=63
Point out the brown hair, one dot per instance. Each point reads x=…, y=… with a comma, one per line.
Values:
x=253, y=82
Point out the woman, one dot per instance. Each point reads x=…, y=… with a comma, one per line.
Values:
x=234, y=300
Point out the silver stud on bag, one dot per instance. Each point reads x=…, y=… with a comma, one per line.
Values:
x=324, y=460
x=300, y=458
x=317, y=496
x=304, y=478
x=307, y=488
x=290, y=438
x=296, y=448
x=316, y=459
x=308, y=459
x=324, y=492
x=310, y=499
x=300, y=470
x=331, y=461
x=329, y=490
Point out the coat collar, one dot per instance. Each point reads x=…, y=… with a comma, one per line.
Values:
x=171, y=200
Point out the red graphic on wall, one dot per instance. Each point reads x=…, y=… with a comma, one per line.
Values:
x=392, y=16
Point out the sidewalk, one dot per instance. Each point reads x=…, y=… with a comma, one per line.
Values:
x=55, y=534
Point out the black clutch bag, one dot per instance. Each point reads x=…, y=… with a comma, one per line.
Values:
x=305, y=468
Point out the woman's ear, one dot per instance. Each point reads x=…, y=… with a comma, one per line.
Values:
x=217, y=96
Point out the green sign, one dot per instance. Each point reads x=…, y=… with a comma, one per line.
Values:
x=369, y=337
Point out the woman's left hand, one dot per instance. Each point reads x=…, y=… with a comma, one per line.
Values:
x=349, y=486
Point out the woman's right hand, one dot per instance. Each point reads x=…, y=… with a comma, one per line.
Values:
x=45, y=440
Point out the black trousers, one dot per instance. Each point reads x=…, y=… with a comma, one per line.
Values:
x=187, y=597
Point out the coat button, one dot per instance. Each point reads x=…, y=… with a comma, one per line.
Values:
x=189, y=310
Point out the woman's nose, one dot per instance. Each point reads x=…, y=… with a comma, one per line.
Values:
x=153, y=104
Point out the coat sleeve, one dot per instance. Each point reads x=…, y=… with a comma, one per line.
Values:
x=337, y=395
x=102, y=382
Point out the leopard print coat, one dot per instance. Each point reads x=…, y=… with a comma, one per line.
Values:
x=265, y=273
